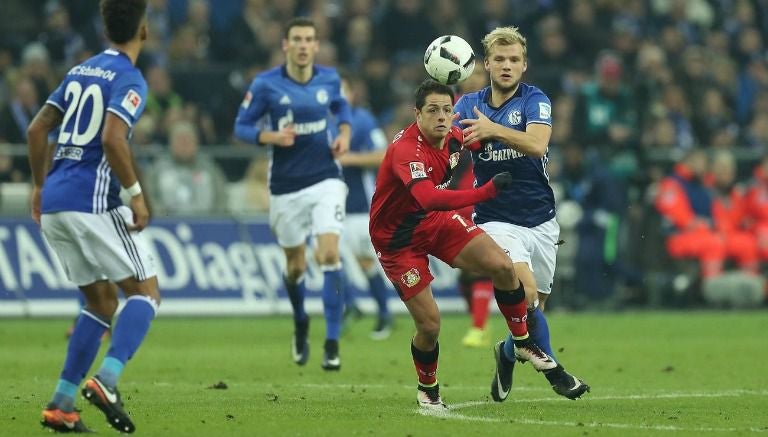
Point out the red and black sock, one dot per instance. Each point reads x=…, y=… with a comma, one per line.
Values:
x=515, y=310
x=426, y=364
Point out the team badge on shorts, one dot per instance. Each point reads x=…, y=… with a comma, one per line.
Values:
x=411, y=278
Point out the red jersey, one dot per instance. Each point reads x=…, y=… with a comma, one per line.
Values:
x=757, y=197
x=729, y=210
x=395, y=213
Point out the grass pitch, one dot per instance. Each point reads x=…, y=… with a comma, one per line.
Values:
x=701, y=373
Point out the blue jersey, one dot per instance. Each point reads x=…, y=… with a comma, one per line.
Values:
x=530, y=201
x=366, y=137
x=274, y=101
x=80, y=178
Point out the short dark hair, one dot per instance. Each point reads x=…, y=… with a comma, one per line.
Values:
x=299, y=22
x=428, y=87
x=122, y=18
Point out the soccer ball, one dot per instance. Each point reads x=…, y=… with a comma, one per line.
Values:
x=449, y=59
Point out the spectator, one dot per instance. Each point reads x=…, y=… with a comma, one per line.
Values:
x=692, y=75
x=601, y=198
x=186, y=181
x=15, y=117
x=749, y=45
x=8, y=171
x=652, y=75
x=18, y=113
x=6, y=66
x=414, y=28
x=60, y=39
x=554, y=60
x=584, y=33
x=161, y=99
x=686, y=207
x=243, y=41
x=660, y=136
x=729, y=212
x=756, y=134
x=251, y=194
x=447, y=18
x=35, y=65
x=677, y=110
x=751, y=84
x=605, y=116
x=355, y=47
x=712, y=117
x=757, y=206
x=701, y=223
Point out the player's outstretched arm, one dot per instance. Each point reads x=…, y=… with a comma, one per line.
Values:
x=285, y=137
x=370, y=159
x=433, y=199
x=340, y=145
x=532, y=142
x=114, y=138
x=46, y=120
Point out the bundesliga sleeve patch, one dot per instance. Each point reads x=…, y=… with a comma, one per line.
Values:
x=131, y=102
x=417, y=170
x=545, y=110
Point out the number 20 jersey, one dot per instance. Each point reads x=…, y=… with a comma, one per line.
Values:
x=80, y=178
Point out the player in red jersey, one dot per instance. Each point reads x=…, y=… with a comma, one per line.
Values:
x=413, y=216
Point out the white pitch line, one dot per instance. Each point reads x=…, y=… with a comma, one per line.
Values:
x=451, y=412
x=448, y=414
x=677, y=395
x=551, y=398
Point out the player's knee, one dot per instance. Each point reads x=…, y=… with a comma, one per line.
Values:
x=327, y=257
x=155, y=295
x=104, y=306
x=501, y=268
x=531, y=294
x=429, y=329
x=150, y=289
x=293, y=272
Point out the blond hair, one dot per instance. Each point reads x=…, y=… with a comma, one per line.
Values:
x=505, y=36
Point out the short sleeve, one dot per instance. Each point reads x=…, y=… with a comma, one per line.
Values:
x=56, y=99
x=538, y=109
x=376, y=139
x=461, y=107
x=255, y=102
x=128, y=97
x=339, y=105
x=407, y=166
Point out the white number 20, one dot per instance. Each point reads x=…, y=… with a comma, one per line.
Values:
x=76, y=99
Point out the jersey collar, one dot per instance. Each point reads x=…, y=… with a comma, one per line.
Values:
x=487, y=96
x=284, y=72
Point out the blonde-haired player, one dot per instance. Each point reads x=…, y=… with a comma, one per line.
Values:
x=507, y=125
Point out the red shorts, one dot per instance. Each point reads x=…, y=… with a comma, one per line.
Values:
x=443, y=235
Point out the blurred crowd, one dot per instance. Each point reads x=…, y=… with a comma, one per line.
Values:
x=636, y=85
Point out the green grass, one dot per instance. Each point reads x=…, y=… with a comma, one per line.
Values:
x=700, y=373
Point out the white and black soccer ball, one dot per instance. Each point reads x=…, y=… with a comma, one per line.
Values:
x=449, y=59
